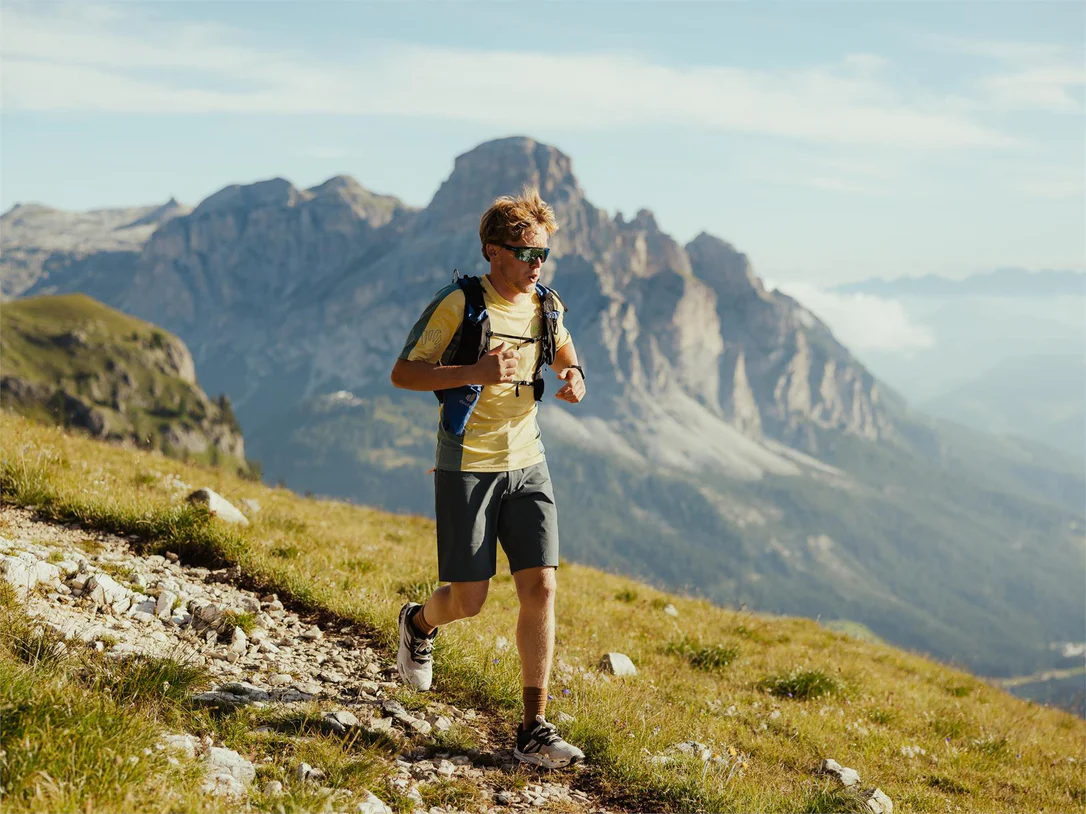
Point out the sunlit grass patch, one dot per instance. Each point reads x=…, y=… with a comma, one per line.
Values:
x=704, y=657
x=456, y=793
x=800, y=685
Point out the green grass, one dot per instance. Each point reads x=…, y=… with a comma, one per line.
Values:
x=847, y=684
x=457, y=794
x=711, y=657
x=801, y=685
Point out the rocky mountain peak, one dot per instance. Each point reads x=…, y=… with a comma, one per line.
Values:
x=369, y=206
x=274, y=192
x=159, y=215
x=726, y=270
x=503, y=167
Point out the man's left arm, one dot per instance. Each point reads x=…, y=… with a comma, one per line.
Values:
x=564, y=359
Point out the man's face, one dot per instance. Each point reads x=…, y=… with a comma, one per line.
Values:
x=517, y=274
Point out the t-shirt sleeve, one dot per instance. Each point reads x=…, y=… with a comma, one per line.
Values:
x=435, y=329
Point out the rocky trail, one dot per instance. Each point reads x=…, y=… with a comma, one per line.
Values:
x=93, y=590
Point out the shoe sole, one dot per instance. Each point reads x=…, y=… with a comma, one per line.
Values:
x=544, y=761
x=399, y=665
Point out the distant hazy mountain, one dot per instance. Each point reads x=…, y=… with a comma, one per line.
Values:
x=38, y=243
x=1041, y=397
x=1006, y=282
x=730, y=444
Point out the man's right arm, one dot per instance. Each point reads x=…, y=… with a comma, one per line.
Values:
x=419, y=375
x=497, y=366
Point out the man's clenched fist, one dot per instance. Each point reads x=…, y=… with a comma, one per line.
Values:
x=498, y=366
x=574, y=390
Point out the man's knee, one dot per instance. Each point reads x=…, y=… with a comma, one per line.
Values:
x=536, y=586
x=469, y=597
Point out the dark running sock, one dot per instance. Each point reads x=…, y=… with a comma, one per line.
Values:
x=535, y=703
x=418, y=619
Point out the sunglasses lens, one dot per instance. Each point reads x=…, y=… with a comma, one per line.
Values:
x=529, y=255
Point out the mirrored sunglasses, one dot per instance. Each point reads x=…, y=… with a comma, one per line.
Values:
x=528, y=254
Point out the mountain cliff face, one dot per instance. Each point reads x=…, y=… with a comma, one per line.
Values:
x=729, y=443
x=321, y=285
x=73, y=361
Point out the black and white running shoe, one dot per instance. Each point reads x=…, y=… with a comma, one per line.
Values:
x=543, y=746
x=415, y=661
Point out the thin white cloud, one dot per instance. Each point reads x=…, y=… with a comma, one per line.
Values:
x=862, y=322
x=64, y=58
x=1032, y=76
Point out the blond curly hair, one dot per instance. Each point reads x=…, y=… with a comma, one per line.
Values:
x=508, y=218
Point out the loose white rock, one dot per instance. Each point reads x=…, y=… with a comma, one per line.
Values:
x=617, y=664
x=671, y=610
x=218, y=506
x=848, y=777
x=876, y=801
x=372, y=805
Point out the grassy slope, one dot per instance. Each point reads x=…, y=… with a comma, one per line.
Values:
x=985, y=749
x=925, y=558
x=28, y=332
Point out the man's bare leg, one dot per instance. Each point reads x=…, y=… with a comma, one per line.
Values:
x=535, y=635
x=457, y=600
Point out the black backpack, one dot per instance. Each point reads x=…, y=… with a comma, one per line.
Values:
x=472, y=339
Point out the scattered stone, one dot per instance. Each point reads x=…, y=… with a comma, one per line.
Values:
x=848, y=777
x=228, y=772
x=876, y=801
x=441, y=724
x=339, y=721
x=218, y=506
x=671, y=610
x=165, y=603
x=238, y=642
x=308, y=774
x=273, y=788
x=693, y=749
x=372, y=805
x=182, y=744
x=617, y=664
x=312, y=634
x=280, y=679
x=565, y=718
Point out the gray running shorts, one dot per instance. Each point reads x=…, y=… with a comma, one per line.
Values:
x=476, y=510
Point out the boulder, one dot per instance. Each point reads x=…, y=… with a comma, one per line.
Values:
x=618, y=664
x=848, y=777
x=372, y=805
x=228, y=772
x=105, y=590
x=876, y=801
x=218, y=506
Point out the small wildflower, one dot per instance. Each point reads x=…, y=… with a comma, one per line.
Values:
x=496, y=661
x=550, y=697
x=565, y=691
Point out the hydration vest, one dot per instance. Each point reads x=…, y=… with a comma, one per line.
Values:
x=472, y=341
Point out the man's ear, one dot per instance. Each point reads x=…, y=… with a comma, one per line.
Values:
x=491, y=251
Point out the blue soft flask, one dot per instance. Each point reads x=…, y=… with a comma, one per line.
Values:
x=457, y=405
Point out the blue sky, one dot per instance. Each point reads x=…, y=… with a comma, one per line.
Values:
x=830, y=141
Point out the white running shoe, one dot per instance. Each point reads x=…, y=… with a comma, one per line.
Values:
x=543, y=746
x=415, y=661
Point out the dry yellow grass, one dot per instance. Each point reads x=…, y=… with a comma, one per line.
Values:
x=983, y=750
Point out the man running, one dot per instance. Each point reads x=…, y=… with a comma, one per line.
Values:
x=491, y=482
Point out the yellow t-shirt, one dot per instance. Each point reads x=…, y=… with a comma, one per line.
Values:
x=502, y=433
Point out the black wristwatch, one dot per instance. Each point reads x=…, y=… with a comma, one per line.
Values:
x=578, y=367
